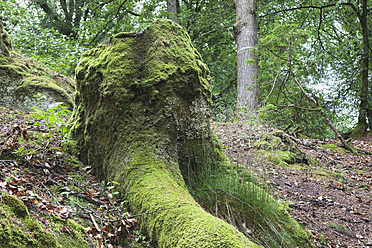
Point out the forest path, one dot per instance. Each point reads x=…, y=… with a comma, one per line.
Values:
x=332, y=199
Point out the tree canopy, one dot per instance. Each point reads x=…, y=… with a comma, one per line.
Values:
x=326, y=42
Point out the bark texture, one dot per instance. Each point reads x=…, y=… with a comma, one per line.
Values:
x=361, y=129
x=5, y=44
x=245, y=31
x=172, y=9
x=142, y=119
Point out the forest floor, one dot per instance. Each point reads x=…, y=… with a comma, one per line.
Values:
x=331, y=198
x=35, y=169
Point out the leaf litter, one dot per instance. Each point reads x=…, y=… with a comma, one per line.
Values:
x=332, y=197
x=35, y=169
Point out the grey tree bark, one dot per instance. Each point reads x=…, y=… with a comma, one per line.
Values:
x=361, y=129
x=172, y=9
x=3, y=49
x=245, y=32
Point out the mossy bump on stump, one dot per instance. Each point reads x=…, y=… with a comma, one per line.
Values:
x=141, y=118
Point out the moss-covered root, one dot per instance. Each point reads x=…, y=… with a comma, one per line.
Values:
x=180, y=221
x=360, y=130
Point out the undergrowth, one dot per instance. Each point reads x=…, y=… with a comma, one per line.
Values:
x=51, y=182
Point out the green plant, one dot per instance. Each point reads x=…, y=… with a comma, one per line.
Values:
x=286, y=205
x=141, y=240
x=336, y=226
x=22, y=151
x=322, y=239
x=106, y=188
x=55, y=117
x=341, y=177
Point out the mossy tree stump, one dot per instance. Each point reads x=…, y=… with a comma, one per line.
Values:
x=142, y=119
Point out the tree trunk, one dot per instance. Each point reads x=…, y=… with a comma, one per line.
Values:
x=142, y=119
x=361, y=129
x=5, y=45
x=245, y=31
x=172, y=9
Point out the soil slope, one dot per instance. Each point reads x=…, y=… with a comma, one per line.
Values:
x=331, y=197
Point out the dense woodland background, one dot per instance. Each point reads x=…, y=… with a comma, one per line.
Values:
x=322, y=44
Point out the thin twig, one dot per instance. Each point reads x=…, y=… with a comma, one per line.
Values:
x=272, y=88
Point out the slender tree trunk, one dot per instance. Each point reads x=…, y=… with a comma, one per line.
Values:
x=172, y=9
x=2, y=46
x=245, y=31
x=3, y=35
x=361, y=128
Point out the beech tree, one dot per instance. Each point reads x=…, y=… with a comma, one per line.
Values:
x=172, y=9
x=245, y=31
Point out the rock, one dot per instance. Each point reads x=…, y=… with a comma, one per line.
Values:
x=22, y=78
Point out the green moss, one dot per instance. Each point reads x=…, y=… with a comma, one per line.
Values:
x=280, y=158
x=31, y=85
x=142, y=119
x=278, y=148
x=360, y=130
x=263, y=145
x=20, y=230
x=72, y=235
x=15, y=206
x=184, y=217
x=22, y=78
x=5, y=42
x=333, y=147
x=337, y=226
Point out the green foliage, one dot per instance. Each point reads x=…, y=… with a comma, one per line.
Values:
x=45, y=44
x=22, y=151
x=55, y=117
x=326, y=53
x=283, y=103
x=331, y=58
x=58, y=38
x=209, y=24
